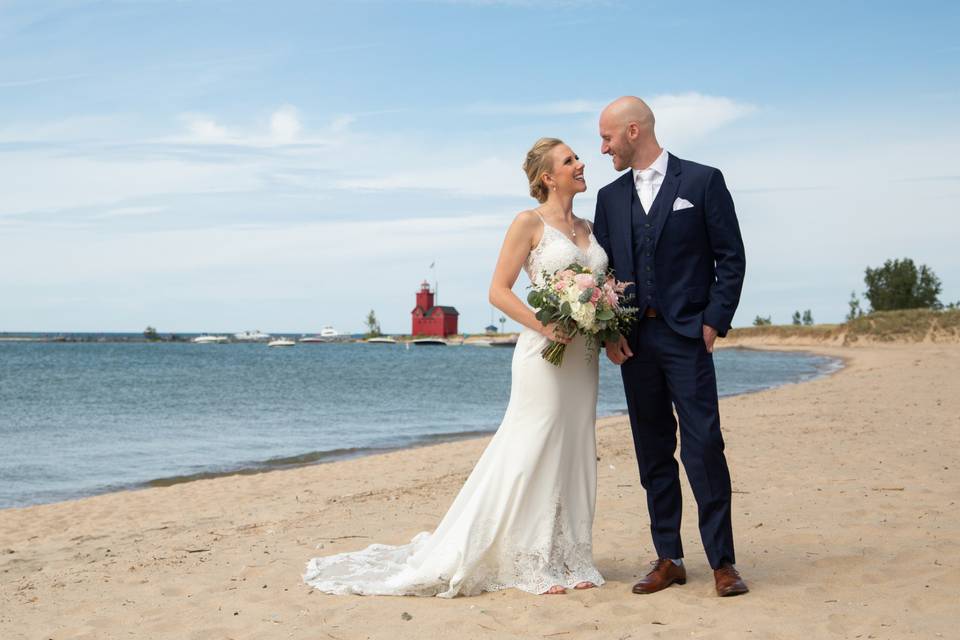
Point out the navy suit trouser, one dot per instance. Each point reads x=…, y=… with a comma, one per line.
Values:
x=669, y=370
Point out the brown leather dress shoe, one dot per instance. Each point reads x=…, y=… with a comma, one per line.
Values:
x=664, y=573
x=729, y=582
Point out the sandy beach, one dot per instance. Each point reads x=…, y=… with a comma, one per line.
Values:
x=845, y=517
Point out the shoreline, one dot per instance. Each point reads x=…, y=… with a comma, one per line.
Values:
x=843, y=493
x=311, y=458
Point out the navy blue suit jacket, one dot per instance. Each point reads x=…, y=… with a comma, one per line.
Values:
x=699, y=259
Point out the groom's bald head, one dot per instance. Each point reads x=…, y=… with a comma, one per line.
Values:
x=626, y=131
x=629, y=110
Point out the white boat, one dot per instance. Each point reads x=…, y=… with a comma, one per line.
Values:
x=251, y=336
x=381, y=340
x=429, y=342
x=281, y=342
x=205, y=339
x=327, y=334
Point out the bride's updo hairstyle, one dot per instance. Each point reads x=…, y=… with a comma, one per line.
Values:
x=537, y=164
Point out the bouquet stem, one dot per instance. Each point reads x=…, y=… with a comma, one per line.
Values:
x=553, y=353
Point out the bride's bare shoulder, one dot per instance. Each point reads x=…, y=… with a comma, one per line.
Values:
x=526, y=224
x=527, y=221
x=528, y=217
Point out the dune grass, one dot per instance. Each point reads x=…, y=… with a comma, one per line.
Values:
x=907, y=325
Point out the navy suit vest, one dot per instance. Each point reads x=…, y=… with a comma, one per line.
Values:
x=644, y=227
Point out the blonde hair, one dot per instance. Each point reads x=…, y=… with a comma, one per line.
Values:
x=538, y=163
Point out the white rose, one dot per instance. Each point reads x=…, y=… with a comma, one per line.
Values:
x=585, y=315
x=572, y=295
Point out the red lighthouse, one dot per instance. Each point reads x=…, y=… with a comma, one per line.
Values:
x=430, y=320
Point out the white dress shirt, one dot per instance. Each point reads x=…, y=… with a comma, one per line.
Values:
x=648, y=181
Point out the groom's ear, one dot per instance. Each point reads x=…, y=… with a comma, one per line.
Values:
x=633, y=130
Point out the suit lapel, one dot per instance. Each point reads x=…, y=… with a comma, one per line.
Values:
x=667, y=194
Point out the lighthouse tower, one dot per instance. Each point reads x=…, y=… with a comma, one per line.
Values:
x=430, y=320
x=425, y=296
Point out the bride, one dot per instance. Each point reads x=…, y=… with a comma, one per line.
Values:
x=523, y=518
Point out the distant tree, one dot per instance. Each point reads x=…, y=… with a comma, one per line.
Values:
x=953, y=306
x=503, y=324
x=373, y=325
x=796, y=317
x=761, y=322
x=855, y=310
x=150, y=333
x=899, y=284
x=808, y=318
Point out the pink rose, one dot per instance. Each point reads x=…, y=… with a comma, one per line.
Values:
x=584, y=281
x=595, y=295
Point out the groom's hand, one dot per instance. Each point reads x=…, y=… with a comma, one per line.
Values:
x=618, y=351
x=709, y=336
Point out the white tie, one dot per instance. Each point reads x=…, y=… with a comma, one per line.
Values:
x=645, y=187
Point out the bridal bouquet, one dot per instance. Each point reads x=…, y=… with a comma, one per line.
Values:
x=581, y=302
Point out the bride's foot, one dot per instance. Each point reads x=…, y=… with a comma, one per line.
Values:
x=555, y=590
x=584, y=585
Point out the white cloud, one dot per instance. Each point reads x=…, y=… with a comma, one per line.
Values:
x=285, y=124
x=685, y=116
x=205, y=129
x=688, y=116
x=284, y=128
x=342, y=123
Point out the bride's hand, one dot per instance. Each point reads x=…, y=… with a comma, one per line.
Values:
x=553, y=332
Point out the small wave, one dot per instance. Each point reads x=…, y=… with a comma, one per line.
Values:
x=317, y=457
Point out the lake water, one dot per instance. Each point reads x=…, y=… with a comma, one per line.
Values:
x=78, y=419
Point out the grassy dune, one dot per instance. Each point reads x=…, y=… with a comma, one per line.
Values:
x=905, y=326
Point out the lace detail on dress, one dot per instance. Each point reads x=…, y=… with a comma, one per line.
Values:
x=564, y=558
x=556, y=251
x=562, y=555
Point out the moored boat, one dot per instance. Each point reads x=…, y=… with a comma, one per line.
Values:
x=327, y=334
x=429, y=342
x=251, y=336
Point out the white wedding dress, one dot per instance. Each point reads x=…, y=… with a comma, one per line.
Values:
x=524, y=517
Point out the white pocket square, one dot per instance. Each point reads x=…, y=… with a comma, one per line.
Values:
x=679, y=204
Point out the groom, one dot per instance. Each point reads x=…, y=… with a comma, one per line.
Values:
x=669, y=226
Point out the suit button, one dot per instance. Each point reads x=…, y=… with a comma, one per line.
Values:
x=649, y=254
x=649, y=282
x=647, y=269
x=646, y=225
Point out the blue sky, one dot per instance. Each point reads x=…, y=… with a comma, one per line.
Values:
x=220, y=166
